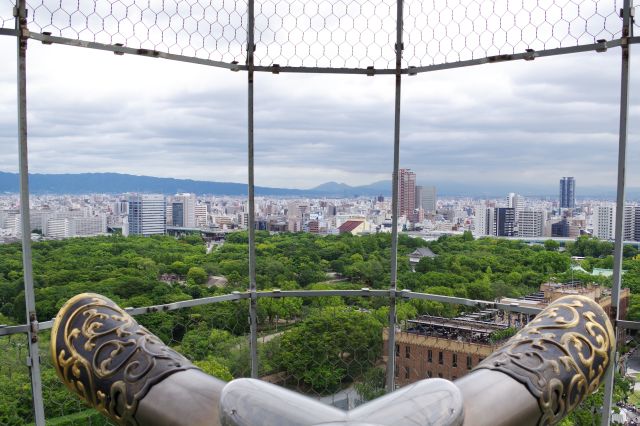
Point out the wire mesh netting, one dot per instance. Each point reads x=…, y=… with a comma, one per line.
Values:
x=213, y=336
x=6, y=14
x=328, y=33
x=213, y=30
x=15, y=381
x=440, y=31
x=321, y=33
x=61, y=406
x=323, y=347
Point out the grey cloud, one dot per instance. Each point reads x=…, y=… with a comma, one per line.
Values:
x=523, y=123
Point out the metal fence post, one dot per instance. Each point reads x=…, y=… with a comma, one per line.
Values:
x=391, y=350
x=627, y=30
x=33, y=360
x=253, y=306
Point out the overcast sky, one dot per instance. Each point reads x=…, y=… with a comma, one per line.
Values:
x=519, y=125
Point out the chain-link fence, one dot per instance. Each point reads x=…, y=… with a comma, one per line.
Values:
x=329, y=34
x=442, y=31
x=14, y=378
x=349, y=340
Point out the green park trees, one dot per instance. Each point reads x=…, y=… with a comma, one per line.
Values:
x=347, y=343
x=324, y=343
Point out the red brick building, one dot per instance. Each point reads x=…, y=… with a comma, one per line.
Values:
x=448, y=348
x=440, y=347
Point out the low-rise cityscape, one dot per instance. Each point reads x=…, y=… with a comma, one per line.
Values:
x=422, y=212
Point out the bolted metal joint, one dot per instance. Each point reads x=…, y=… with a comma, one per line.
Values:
x=602, y=46
x=33, y=327
x=530, y=55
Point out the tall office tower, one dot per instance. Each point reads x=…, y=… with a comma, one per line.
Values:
x=531, y=223
x=177, y=213
x=484, y=221
x=636, y=220
x=567, y=193
x=604, y=222
x=505, y=222
x=406, y=192
x=426, y=198
x=202, y=214
x=146, y=214
x=629, y=223
x=183, y=210
x=515, y=201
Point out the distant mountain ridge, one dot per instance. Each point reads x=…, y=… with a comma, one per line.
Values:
x=117, y=183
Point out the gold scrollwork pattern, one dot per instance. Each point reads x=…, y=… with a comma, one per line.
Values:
x=561, y=356
x=101, y=353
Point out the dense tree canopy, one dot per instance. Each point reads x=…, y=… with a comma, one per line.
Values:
x=318, y=344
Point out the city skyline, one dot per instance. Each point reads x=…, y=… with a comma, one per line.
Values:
x=457, y=126
x=112, y=183
x=513, y=215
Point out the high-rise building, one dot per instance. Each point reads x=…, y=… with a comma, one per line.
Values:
x=484, y=221
x=496, y=221
x=88, y=226
x=58, y=228
x=561, y=228
x=567, y=193
x=531, y=223
x=406, y=192
x=505, y=222
x=516, y=202
x=426, y=198
x=202, y=215
x=604, y=222
x=629, y=223
x=183, y=210
x=147, y=214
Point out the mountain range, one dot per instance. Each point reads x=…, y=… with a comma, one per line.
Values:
x=117, y=183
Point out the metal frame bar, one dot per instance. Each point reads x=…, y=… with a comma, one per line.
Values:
x=276, y=69
x=276, y=294
x=627, y=31
x=33, y=359
x=253, y=307
x=395, y=209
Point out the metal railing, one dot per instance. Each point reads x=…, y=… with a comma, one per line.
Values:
x=368, y=37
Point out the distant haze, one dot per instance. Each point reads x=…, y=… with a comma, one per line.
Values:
x=116, y=183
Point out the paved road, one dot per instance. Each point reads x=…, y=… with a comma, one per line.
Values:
x=633, y=367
